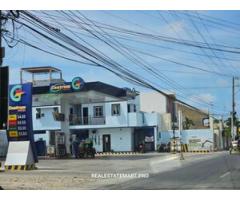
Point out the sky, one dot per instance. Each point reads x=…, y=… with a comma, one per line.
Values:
x=195, y=85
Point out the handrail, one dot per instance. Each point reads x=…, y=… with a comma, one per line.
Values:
x=75, y=119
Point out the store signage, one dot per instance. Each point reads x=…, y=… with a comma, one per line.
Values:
x=16, y=93
x=76, y=85
x=58, y=88
x=20, y=126
x=194, y=140
x=149, y=139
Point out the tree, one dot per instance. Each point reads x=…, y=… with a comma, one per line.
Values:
x=235, y=119
x=227, y=128
x=188, y=123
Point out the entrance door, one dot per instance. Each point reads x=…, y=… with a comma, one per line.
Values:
x=106, y=143
x=85, y=115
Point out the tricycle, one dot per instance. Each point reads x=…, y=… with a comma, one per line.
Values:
x=86, y=149
x=235, y=146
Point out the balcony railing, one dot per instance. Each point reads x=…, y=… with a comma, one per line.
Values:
x=89, y=120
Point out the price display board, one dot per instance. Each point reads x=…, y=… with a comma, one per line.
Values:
x=20, y=126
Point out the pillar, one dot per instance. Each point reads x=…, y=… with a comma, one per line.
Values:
x=155, y=137
x=65, y=124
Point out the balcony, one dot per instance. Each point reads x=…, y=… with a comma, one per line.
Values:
x=75, y=120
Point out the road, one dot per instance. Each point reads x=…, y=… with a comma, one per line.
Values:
x=218, y=171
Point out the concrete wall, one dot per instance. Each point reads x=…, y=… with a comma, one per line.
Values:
x=125, y=119
x=152, y=119
x=192, y=114
x=204, y=135
x=46, y=122
x=135, y=119
x=199, y=136
x=121, y=139
x=153, y=102
x=110, y=121
x=166, y=122
x=3, y=143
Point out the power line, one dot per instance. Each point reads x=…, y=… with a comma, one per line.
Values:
x=86, y=51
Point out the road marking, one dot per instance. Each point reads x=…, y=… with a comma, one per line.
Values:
x=227, y=173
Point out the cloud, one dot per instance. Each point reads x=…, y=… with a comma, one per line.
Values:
x=204, y=97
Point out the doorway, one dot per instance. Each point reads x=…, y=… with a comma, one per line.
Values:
x=144, y=135
x=106, y=143
x=85, y=115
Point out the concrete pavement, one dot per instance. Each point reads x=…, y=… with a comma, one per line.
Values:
x=151, y=171
x=219, y=171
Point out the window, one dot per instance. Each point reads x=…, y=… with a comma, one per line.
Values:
x=98, y=111
x=131, y=107
x=38, y=113
x=115, y=109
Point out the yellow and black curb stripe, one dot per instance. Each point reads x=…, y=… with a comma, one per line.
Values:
x=20, y=167
x=199, y=151
x=117, y=153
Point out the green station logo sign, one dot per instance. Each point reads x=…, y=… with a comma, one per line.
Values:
x=16, y=93
x=75, y=85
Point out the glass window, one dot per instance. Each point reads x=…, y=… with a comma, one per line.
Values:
x=115, y=109
x=98, y=111
x=131, y=108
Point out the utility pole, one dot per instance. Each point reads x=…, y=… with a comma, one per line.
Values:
x=4, y=83
x=1, y=49
x=173, y=126
x=233, y=108
x=180, y=133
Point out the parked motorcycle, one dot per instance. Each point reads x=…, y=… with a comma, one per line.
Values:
x=141, y=148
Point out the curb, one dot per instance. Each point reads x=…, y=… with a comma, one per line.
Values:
x=117, y=153
x=199, y=151
x=20, y=167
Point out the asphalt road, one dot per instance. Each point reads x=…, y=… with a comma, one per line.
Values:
x=219, y=171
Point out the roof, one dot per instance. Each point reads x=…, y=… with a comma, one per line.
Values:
x=44, y=69
x=191, y=107
x=97, y=86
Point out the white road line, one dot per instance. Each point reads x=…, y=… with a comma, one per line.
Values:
x=227, y=173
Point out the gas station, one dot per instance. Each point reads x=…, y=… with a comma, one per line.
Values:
x=48, y=106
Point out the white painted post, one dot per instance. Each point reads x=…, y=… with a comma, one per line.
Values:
x=155, y=137
x=65, y=124
x=180, y=132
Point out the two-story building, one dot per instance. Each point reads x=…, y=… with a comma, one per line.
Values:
x=109, y=115
x=115, y=119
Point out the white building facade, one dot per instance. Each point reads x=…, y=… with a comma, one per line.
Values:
x=110, y=116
